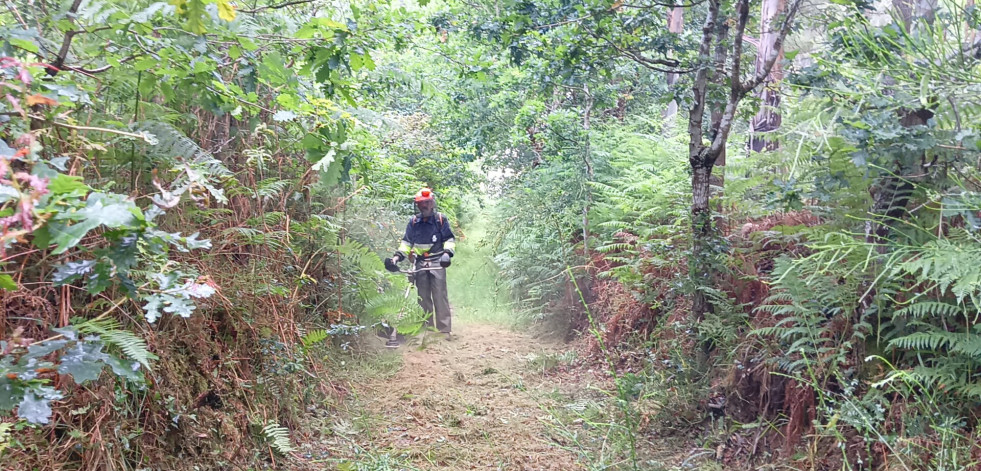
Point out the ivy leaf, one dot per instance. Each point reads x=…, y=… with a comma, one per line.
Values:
x=60, y=164
x=10, y=393
x=7, y=282
x=112, y=211
x=66, y=237
x=100, y=279
x=71, y=271
x=325, y=161
x=225, y=10
x=44, y=348
x=125, y=368
x=84, y=361
x=36, y=410
x=42, y=238
x=192, y=242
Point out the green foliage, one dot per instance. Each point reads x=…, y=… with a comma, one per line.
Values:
x=5, y=428
x=314, y=337
x=278, y=438
x=641, y=209
x=941, y=333
x=538, y=226
x=114, y=335
x=805, y=302
x=124, y=251
x=25, y=380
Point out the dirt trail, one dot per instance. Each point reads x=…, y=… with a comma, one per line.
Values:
x=467, y=403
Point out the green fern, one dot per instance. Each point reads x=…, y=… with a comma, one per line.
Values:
x=270, y=188
x=364, y=259
x=111, y=333
x=930, y=309
x=397, y=307
x=5, y=428
x=270, y=219
x=804, y=300
x=195, y=166
x=314, y=337
x=278, y=438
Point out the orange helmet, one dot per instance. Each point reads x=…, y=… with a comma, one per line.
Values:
x=424, y=194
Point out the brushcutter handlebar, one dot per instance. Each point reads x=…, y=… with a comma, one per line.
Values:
x=412, y=271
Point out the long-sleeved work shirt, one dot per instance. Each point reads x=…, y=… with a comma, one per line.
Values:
x=427, y=237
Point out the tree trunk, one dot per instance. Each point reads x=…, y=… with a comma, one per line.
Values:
x=700, y=266
x=588, y=161
x=892, y=194
x=768, y=118
x=676, y=25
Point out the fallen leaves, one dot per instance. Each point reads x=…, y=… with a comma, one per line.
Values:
x=37, y=99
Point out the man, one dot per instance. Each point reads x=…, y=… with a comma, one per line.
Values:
x=429, y=243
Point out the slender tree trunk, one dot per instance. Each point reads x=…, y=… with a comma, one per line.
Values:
x=891, y=194
x=699, y=266
x=676, y=25
x=717, y=179
x=588, y=160
x=703, y=229
x=768, y=118
x=703, y=156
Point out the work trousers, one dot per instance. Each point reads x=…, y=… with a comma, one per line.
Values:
x=431, y=286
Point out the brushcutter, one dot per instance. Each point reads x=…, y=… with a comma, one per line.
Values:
x=393, y=341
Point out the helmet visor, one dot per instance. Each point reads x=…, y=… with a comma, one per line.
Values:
x=426, y=206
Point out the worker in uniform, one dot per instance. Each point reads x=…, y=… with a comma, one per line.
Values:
x=429, y=244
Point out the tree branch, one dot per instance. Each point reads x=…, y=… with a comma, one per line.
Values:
x=141, y=136
x=97, y=70
x=663, y=4
x=66, y=42
x=695, y=116
x=647, y=62
x=721, y=54
x=277, y=6
x=742, y=12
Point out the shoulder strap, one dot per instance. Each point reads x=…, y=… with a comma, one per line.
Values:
x=439, y=220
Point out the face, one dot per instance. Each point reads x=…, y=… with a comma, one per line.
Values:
x=426, y=207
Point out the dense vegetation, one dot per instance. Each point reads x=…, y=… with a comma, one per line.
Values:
x=763, y=213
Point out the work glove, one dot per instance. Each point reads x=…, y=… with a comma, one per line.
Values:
x=444, y=261
x=391, y=265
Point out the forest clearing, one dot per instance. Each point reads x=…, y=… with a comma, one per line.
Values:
x=490, y=234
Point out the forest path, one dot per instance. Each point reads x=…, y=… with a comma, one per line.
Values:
x=495, y=396
x=478, y=401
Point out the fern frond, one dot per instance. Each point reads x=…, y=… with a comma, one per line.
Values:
x=930, y=308
x=278, y=438
x=314, y=337
x=111, y=333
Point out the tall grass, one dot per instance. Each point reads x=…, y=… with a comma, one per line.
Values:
x=477, y=294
